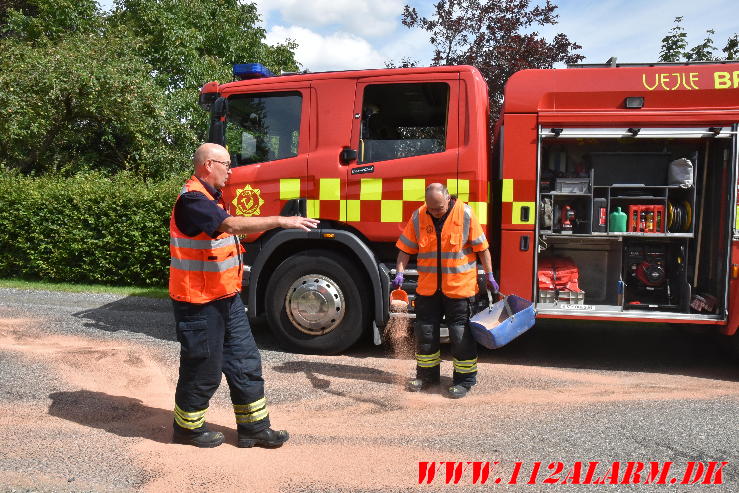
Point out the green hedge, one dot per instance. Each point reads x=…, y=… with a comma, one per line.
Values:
x=88, y=228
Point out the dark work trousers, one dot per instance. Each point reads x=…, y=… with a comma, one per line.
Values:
x=215, y=338
x=429, y=312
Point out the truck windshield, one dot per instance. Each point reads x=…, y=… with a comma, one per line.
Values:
x=263, y=127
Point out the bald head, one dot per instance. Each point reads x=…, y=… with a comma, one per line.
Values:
x=437, y=190
x=212, y=164
x=437, y=199
x=209, y=151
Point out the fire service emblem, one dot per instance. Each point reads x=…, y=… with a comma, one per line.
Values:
x=248, y=201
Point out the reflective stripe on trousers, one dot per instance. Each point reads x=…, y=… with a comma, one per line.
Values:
x=465, y=366
x=250, y=413
x=191, y=420
x=428, y=360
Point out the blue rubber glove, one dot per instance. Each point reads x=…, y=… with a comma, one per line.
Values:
x=398, y=281
x=491, y=283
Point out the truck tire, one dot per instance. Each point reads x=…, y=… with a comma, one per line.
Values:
x=315, y=304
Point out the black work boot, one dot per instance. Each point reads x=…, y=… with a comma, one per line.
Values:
x=419, y=384
x=267, y=438
x=458, y=391
x=200, y=437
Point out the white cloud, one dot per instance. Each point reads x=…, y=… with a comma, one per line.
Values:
x=408, y=43
x=336, y=51
x=366, y=18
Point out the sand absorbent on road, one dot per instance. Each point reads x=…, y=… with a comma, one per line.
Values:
x=398, y=333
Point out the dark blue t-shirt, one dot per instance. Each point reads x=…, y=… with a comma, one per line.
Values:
x=194, y=213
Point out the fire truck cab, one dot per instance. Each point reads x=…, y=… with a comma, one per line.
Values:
x=625, y=175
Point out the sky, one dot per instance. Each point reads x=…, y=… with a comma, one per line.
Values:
x=355, y=34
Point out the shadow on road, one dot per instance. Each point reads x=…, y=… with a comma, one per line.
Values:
x=651, y=348
x=336, y=370
x=315, y=371
x=149, y=316
x=123, y=416
x=655, y=348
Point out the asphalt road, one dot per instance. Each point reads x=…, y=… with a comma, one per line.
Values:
x=87, y=384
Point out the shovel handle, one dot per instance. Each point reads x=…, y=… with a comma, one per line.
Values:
x=505, y=303
x=490, y=298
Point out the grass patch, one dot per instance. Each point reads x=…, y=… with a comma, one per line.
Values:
x=85, y=288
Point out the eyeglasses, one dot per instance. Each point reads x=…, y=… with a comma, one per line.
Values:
x=227, y=164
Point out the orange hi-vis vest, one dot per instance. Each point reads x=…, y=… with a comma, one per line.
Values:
x=461, y=239
x=202, y=268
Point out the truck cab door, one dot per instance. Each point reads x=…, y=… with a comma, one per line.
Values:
x=332, y=102
x=406, y=134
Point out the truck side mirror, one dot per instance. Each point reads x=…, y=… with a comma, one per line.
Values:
x=218, y=110
x=217, y=133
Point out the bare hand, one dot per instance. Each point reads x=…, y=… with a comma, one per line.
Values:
x=298, y=222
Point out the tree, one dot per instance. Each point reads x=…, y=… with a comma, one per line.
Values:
x=498, y=38
x=84, y=103
x=190, y=42
x=675, y=46
x=83, y=89
x=732, y=48
x=705, y=50
x=405, y=62
x=43, y=20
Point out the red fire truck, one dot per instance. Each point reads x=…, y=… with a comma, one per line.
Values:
x=609, y=192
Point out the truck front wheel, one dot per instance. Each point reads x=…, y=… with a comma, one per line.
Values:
x=316, y=303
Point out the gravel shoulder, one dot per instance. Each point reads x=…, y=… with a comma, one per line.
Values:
x=88, y=385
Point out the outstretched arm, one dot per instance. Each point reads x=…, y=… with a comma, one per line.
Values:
x=238, y=225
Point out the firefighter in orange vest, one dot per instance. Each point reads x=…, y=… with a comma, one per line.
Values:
x=204, y=284
x=447, y=240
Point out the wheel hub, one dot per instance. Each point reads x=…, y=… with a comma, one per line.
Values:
x=315, y=304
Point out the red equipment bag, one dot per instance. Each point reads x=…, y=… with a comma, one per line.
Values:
x=558, y=273
x=546, y=273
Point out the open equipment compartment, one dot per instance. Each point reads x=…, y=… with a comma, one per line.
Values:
x=598, y=262
x=668, y=243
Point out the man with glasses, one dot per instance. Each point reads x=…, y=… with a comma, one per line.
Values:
x=204, y=284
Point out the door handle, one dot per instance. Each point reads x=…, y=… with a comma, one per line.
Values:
x=347, y=156
x=525, y=214
x=524, y=244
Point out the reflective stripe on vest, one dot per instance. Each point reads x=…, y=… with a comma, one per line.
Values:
x=201, y=244
x=448, y=270
x=445, y=255
x=407, y=242
x=416, y=225
x=466, y=227
x=204, y=266
x=457, y=260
